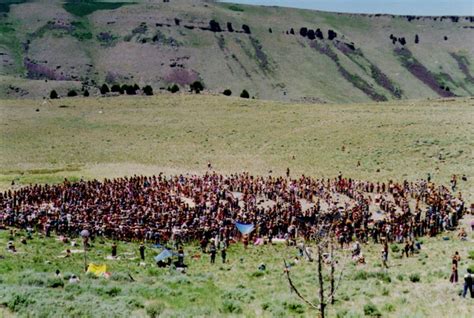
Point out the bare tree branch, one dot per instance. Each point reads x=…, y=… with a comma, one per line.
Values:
x=293, y=287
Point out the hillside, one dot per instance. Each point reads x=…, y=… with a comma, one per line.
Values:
x=274, y=53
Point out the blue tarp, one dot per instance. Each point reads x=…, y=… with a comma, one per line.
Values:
x=163, y=255
x=244, y=228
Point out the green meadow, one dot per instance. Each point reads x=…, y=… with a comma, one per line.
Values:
x=74, y=138
x=111, y=137
x=413, y=287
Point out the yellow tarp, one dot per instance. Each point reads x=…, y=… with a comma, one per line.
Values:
x=97, y=270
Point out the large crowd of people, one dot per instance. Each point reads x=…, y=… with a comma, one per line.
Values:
x=204, y=207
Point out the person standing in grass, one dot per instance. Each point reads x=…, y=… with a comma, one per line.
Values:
x=142, y=251
x=114, y=250
x=223, y=255
x=384, y=254
x=180, y=257
x=468, y=284
x=454, y=268
x=213, y=253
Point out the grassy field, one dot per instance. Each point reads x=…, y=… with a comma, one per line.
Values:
x=107, y=137
x=28, y=287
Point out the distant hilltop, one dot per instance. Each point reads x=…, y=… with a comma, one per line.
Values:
x=271, y=52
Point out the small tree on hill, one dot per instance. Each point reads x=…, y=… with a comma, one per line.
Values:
x=104, y=89
x=148, y=90
x=123, y=88
x=116, y=89
x=131, y=90
x=86, y=93
x=71, y=93
x=196, y=87
x=304, y=32
x=53, y=94
x=227, y=92
x=245, y=94
x=173, y=89
x=136, y=87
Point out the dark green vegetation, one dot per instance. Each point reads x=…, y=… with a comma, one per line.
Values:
x=226, y=46
x=82, y=8
x=5, y=5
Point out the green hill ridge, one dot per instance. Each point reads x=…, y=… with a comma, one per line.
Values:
x=274, y=53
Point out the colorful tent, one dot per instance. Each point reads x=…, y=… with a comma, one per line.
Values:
x=97, y=270
x=163, y=255
x=244, y=228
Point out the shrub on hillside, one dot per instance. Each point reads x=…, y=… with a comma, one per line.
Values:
x=383, y=276
x=19, y=301
x=116, y=88
x=388, y=308
x=304, y=32
x=294, y=307
x=134, y=303
x=214, y=26
x=131, y=90
x=229, y=27
x=246, y=29
x=227, y=92
x=155, y=309
x=104, y=89
x=394, y=248
x=55, y=282
x=471, y=267
x=371, y=310
x=173, y=89
x=331, y=35
x=319, y=34
x=257, y=274
x=245, y=94
x=231, y=307
x=414, y=278
x=53, y=94
x=32, y=279
x=148, y=90
x=471, y=255
x=196, y=87
x=71, y=93
x=86, y=93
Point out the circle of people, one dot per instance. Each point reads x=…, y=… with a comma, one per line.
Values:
x=205, y=207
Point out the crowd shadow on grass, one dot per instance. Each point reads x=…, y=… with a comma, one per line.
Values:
x=17, y=177
x=68, y=168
